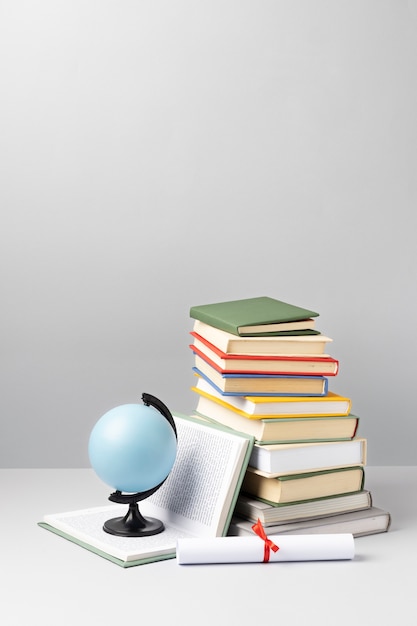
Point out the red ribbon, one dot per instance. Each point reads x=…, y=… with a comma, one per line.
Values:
x=268, y=544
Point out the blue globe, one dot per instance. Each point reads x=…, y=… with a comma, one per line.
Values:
x=132, y=448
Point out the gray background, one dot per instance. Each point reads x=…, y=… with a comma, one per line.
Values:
x=156, y=155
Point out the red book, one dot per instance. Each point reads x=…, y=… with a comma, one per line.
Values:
x=309, y=365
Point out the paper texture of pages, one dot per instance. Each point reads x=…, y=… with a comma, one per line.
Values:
x=194, y=494
x=251, y=549
x=86, y=526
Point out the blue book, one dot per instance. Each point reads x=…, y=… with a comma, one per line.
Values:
x=259, y=384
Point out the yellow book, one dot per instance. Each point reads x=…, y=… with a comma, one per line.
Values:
x=280, y=430
x=273, y=407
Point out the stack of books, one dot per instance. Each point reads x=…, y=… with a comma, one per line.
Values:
x=261, y=367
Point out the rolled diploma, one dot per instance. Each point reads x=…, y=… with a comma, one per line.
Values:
x=335, y=546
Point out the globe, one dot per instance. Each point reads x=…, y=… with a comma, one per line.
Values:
x=132, y=448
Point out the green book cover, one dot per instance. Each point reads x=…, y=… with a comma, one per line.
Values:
x=256, y=316
x=302, y=475
x=285, y=489
x=279, y=505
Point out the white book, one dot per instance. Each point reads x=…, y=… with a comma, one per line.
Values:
x=293, y=458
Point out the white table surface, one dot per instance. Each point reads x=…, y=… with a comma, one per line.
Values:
x=46, y=580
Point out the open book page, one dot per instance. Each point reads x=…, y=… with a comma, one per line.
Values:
x=197, y=499
x=86, y=527
x=199, y=493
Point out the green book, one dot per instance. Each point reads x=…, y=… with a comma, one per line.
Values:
x=256, y=316
x=304, y=486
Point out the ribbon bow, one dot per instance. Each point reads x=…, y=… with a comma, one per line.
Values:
x=268, y=543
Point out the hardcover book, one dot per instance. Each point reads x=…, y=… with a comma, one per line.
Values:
x=369, y=521
x=196, y=500
x=261, y=384
x=257, y=315
x=324, y=365
x=276, y=345
x=264, y=407
x=305, y=486
x=281, y=429
x=280, y=459
x=250, y=508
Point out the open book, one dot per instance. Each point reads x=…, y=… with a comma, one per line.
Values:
x=196, y=500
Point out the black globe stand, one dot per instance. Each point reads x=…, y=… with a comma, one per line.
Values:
x=134, y=524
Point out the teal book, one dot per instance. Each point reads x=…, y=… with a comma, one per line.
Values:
x=256, y=316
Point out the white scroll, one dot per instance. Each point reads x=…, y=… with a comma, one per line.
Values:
x=336, y=546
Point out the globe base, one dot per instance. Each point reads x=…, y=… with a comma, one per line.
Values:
x=133, y=524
